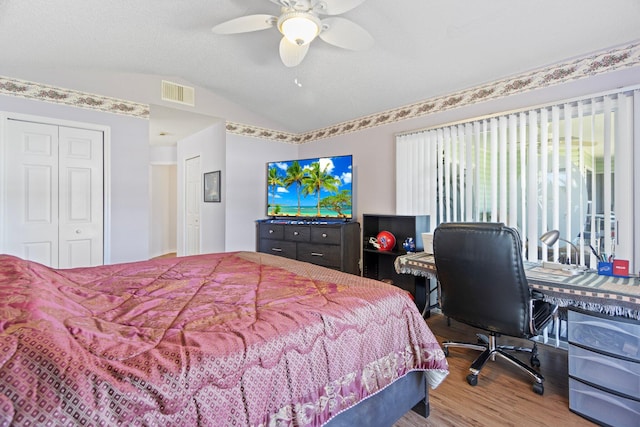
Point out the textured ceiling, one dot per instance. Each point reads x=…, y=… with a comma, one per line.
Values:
x=423, y=48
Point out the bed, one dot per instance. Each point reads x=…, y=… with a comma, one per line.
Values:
x=229, y=339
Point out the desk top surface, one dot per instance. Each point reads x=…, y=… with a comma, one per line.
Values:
x=613, y=295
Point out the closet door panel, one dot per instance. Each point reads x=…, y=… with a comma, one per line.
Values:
x=81, y=206
x=31, y=214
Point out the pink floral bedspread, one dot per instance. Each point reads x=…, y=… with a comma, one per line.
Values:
x=227, y=339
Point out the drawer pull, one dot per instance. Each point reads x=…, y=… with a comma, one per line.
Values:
x=324, y=234
x=295, y=233
x=276, y=249
x=271, y=231
x=316, y=254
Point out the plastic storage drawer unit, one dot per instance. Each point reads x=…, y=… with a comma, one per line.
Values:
x=603, y=407
x=618, y=337
x=618, y=375
x=604, y=368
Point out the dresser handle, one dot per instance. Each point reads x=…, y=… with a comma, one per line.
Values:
x=295, y=233
x=270, y=231
x=276, y=250
x=324, y=234
x=316, y=254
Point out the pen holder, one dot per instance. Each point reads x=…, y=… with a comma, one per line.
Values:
x=619, y=267
x=605, y=268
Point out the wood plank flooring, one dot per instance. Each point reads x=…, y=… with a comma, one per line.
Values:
x=503, y=396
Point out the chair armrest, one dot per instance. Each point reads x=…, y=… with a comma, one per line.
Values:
x=537, y=295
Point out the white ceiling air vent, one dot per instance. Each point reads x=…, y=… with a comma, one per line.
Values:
x=174, y=92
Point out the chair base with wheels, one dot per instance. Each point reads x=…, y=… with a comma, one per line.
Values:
x=489, y=349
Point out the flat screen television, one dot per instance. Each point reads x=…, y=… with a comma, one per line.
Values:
x=319, y=187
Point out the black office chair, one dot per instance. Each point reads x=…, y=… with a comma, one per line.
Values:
x=483, y=284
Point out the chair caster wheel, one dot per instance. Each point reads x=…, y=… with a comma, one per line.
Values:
x=538, y=388
x=445, y=350
x=535, y=362
x=472, y=379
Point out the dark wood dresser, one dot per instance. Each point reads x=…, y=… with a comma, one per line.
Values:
x=329, y=244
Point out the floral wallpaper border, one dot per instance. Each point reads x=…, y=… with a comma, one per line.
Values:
x=601, y=62
x=41, y=92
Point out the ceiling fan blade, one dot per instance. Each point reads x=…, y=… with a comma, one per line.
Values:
x=245, y=24
x=292, y=54
x=345, y=34
x=336, y=7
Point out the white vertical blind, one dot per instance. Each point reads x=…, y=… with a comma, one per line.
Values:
x=581, y=167
x=563, y=167
x=502, y=167
x=607, y=176
x=524, y=220
x=569, y=201
x=512, y=180
x=470, y=178
x=494, y=169
x=555, y=171
x=532, y=188
x=544, y=172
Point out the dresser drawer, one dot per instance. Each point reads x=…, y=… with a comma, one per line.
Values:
x=271, y=231
x=614, y=336
x=297, y=233
x=278, y=247
x=326, y=235
x=601, y=406
x=324, y=255
x=617, y=375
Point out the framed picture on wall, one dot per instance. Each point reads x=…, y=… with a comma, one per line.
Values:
x=212, y=186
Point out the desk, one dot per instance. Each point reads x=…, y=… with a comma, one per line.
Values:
x=610, y=295
x=604, y=372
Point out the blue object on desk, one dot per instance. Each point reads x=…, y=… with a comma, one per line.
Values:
x=409, y=244
x=605, y=268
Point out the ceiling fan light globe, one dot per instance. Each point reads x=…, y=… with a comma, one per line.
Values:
x=299, y=28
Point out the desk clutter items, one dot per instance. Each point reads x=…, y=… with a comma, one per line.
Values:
x=569, y=269
x=427, y=242
x=618, y=267
x=384, y=241
x=409, y=244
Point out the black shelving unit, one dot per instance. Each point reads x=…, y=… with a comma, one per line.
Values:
x=379, y=265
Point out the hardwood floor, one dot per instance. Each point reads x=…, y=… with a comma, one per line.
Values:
x=503, y=396
x=169, y=255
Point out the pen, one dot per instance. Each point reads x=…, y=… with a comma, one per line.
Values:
x=598, y=257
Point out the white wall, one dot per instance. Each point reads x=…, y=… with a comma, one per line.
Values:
x=246, y=193
x=128, y=208
x=210, y=145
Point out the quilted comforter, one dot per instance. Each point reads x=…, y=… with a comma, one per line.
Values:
x=228, y=339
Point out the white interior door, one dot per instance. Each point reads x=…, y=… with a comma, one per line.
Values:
x=31, y=214
x=54, y=194
x=80, y=228
x=193, y=196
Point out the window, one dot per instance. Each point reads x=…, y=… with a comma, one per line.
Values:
x=567, y=167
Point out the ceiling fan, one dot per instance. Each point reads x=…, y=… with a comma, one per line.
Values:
x=299, y=22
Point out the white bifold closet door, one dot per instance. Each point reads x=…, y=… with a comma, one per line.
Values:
x=54, y=194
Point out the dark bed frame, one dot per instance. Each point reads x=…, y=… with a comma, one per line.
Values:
x=383, y=409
